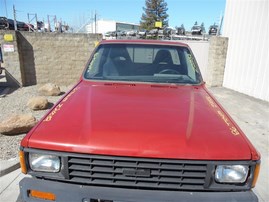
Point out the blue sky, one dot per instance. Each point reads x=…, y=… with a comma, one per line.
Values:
x=77, y=12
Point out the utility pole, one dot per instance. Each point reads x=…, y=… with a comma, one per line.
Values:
x=95, y=22
x=55, y=23
x=36, y=22
x=92, y=22
x=54, y=20
x=6, y=8
x=220, y=24
x=32, y=19
x=48, y=23
x=28, y=15
x=15, y=22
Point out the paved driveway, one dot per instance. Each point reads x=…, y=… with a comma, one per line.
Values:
x=252, y=116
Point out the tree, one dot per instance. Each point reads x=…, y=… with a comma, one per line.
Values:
x=203, y=27
x=154, y=11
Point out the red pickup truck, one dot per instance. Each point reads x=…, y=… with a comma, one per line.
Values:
x=139, y=125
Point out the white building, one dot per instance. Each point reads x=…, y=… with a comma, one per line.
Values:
x=103, y=26
x=247, y=64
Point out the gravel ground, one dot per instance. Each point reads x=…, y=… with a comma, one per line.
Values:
x=15, y=102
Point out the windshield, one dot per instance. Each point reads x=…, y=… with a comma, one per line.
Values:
x=143, y=63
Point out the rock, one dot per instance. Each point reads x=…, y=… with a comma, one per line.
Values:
x=38, y=103
x=49, y=89
x=17, y=124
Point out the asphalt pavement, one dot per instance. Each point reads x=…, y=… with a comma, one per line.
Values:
x=252, y=115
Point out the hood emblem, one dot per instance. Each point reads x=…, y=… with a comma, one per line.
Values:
x=136, y=172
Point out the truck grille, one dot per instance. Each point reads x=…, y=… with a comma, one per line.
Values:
x=141, y=173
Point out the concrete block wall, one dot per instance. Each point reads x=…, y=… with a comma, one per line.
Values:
x=11, y=60
x=40, y=58
x=216, y=60
x=54, y=57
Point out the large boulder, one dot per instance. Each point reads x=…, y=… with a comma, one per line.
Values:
x=38, y=103
x=17, y=124
x=49, y=89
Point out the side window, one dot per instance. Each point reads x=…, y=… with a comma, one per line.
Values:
x=95, y=63
x=191, y=65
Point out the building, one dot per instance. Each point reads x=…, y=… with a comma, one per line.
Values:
x=103, y=26
x=247, y=63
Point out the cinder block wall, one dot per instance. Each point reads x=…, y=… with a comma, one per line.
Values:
x=11, y=60
x=216, y=60
x=48, y=57
x=54, y=57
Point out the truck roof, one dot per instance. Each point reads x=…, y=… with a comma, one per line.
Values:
x=154, y=42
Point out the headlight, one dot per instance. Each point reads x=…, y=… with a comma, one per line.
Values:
x=231, y=173
x=45, y=163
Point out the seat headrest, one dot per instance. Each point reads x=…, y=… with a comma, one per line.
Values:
x=119, y=52
x=163, y=56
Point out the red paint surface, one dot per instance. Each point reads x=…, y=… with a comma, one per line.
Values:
x=143, y=120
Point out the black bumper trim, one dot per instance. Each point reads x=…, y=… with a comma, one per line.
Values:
x=70, y=192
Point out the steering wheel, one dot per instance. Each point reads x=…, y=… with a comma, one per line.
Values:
x=168, y=71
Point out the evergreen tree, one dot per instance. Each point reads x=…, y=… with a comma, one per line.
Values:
x=203, y=27
x=154, y=11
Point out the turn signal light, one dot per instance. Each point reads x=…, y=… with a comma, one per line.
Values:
x=256, y=174
x=22, y=162
x=42, y=195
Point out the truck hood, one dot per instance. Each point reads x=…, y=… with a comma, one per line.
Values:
x=142, y=120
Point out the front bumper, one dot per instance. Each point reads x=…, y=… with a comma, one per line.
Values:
x=71, y=192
